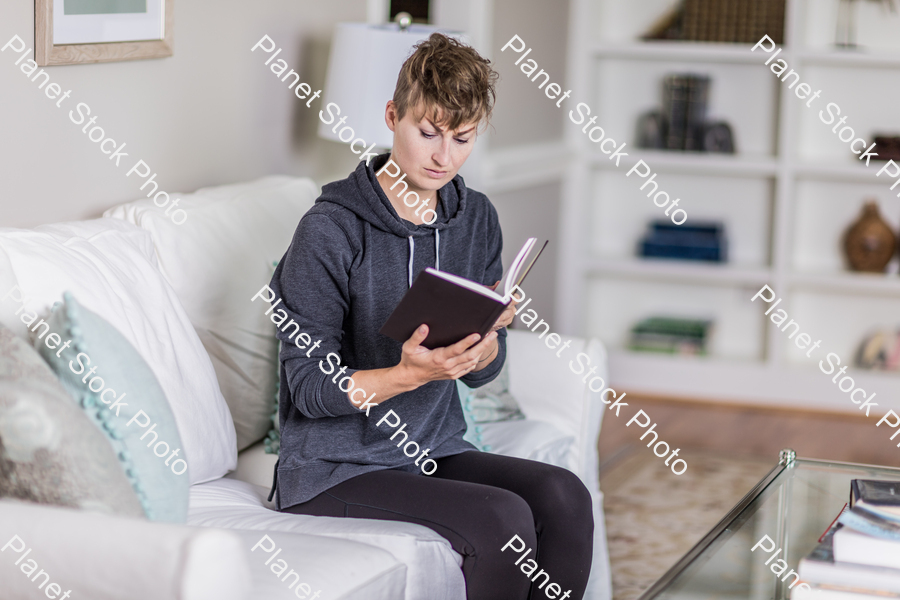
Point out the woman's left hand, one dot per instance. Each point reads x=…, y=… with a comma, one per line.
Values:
x=507, y=316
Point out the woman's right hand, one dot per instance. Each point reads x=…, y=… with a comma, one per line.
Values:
x=420, y=365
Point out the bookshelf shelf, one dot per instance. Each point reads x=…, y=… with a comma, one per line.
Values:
x=850, y=58
x=696, y=163
x=853, y=283
x=626, y=354
x=679, y=51
x=737, y=381
x=679, y=271
x=841, y=171
x=785, y=199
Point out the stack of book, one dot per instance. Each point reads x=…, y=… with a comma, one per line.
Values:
x=670, y=335
x=698, y=241
x=858, y=557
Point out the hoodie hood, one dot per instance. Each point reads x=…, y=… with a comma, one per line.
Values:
x=362, y=195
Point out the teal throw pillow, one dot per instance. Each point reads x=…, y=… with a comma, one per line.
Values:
x=118, y=391
x=272, y=441
x=490, y=403
x=473, y=430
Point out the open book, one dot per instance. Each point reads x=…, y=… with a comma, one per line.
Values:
x=454, y=307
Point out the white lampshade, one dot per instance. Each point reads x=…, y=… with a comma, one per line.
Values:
x=362, y=73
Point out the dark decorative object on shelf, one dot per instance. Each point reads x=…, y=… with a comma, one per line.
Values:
x=880, y=351
x=651, y=130
x=681, y=124
x=697, y=101
x=698, y=241
x=869, y=242
x=417, y=9
x=887, y=147
x=845, y=36
x=736, y=21
x=717, y=137
x=676, y=90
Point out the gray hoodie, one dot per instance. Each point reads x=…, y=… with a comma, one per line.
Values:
x=350, y=262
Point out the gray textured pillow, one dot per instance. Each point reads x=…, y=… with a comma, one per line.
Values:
x=50, y=453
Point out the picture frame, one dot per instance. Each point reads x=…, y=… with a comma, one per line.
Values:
x=86, y=32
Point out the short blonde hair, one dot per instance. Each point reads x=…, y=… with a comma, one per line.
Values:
x=453, y=83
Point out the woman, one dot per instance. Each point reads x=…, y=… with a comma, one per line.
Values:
x=353, y=256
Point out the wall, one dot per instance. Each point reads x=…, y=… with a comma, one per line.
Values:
x=532, y=212
x=211, y=114
x=527, y=122
x=214, y=113
x=524, y=115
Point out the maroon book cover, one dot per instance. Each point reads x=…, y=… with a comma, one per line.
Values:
x=454, y=307
x=451, y=312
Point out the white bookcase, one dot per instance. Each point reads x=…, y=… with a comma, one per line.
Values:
x=785, y=198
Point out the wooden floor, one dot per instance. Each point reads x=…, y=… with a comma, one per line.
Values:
x=741, y=431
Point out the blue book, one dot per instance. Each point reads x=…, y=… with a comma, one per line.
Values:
x=711, y=228
x=699, y=241
x=869, y=523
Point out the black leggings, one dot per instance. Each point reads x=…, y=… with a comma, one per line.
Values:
x=478, y=502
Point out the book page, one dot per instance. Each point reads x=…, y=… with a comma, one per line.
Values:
x=471, y=285
x=515, y=267
x=509, y=280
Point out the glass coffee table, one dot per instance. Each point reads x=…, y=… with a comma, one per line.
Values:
x=793, y=505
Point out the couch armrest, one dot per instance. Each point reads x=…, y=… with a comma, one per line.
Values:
x=106, y=557
x=549, y=390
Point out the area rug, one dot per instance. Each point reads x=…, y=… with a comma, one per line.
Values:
x=654, y=517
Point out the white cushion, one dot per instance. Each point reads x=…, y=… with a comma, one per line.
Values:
x=8, y=307
x=548, y=390
x=104, y=557
x=335, y=568
x=218, y=259
x=110, y=267
x=545, y=385
x=433, y=568
x=255, y=466
x=533, y=440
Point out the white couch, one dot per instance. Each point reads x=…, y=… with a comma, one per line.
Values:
x=345, y=558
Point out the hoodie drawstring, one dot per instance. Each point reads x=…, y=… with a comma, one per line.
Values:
x=412, y=253
x=437, y=249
